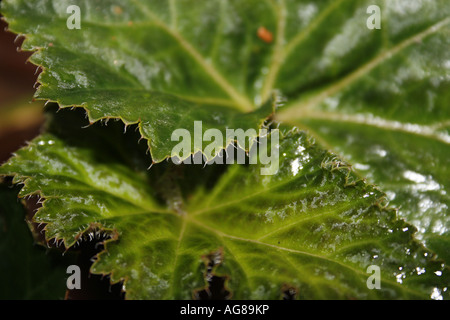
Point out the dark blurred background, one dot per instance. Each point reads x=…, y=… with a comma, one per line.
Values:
x=20, y=118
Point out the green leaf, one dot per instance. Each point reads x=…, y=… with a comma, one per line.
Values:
x=386, y=107
x=162, y=64
x=27, y=271
x=313, y=226
x=379, y=98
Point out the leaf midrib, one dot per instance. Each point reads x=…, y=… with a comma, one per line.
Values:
x=242, y=101
x=282, y=51
x=356, y=271
x=299, y=109
x=428, y=131
x=251, y=195
x=238, y=100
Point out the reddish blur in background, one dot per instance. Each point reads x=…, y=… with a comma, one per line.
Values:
x=20, y=120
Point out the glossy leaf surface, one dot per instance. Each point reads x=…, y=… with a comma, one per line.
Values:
x=380, y=98
x=388, y=113
x=166, y=64
x=162, y=64
x=313, y=226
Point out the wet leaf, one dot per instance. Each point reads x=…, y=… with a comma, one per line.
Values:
x=379, y=98
x=165, y=64
x=161, y=64
x=313, y=226
x=386, y=110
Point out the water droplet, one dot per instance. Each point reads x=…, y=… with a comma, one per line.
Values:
x=420, y=270
x=436, y=294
